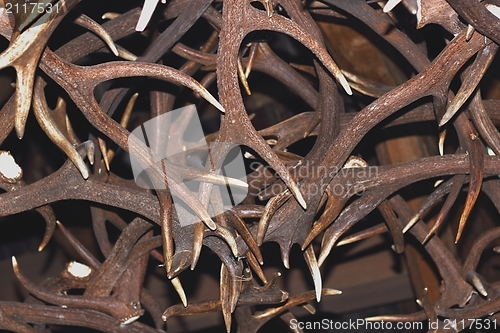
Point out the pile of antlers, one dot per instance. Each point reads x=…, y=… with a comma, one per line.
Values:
x=280, y=206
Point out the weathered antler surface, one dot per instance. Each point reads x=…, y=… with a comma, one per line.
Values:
x=88, y=92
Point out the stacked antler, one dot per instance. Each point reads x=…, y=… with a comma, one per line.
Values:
x=292, y=198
